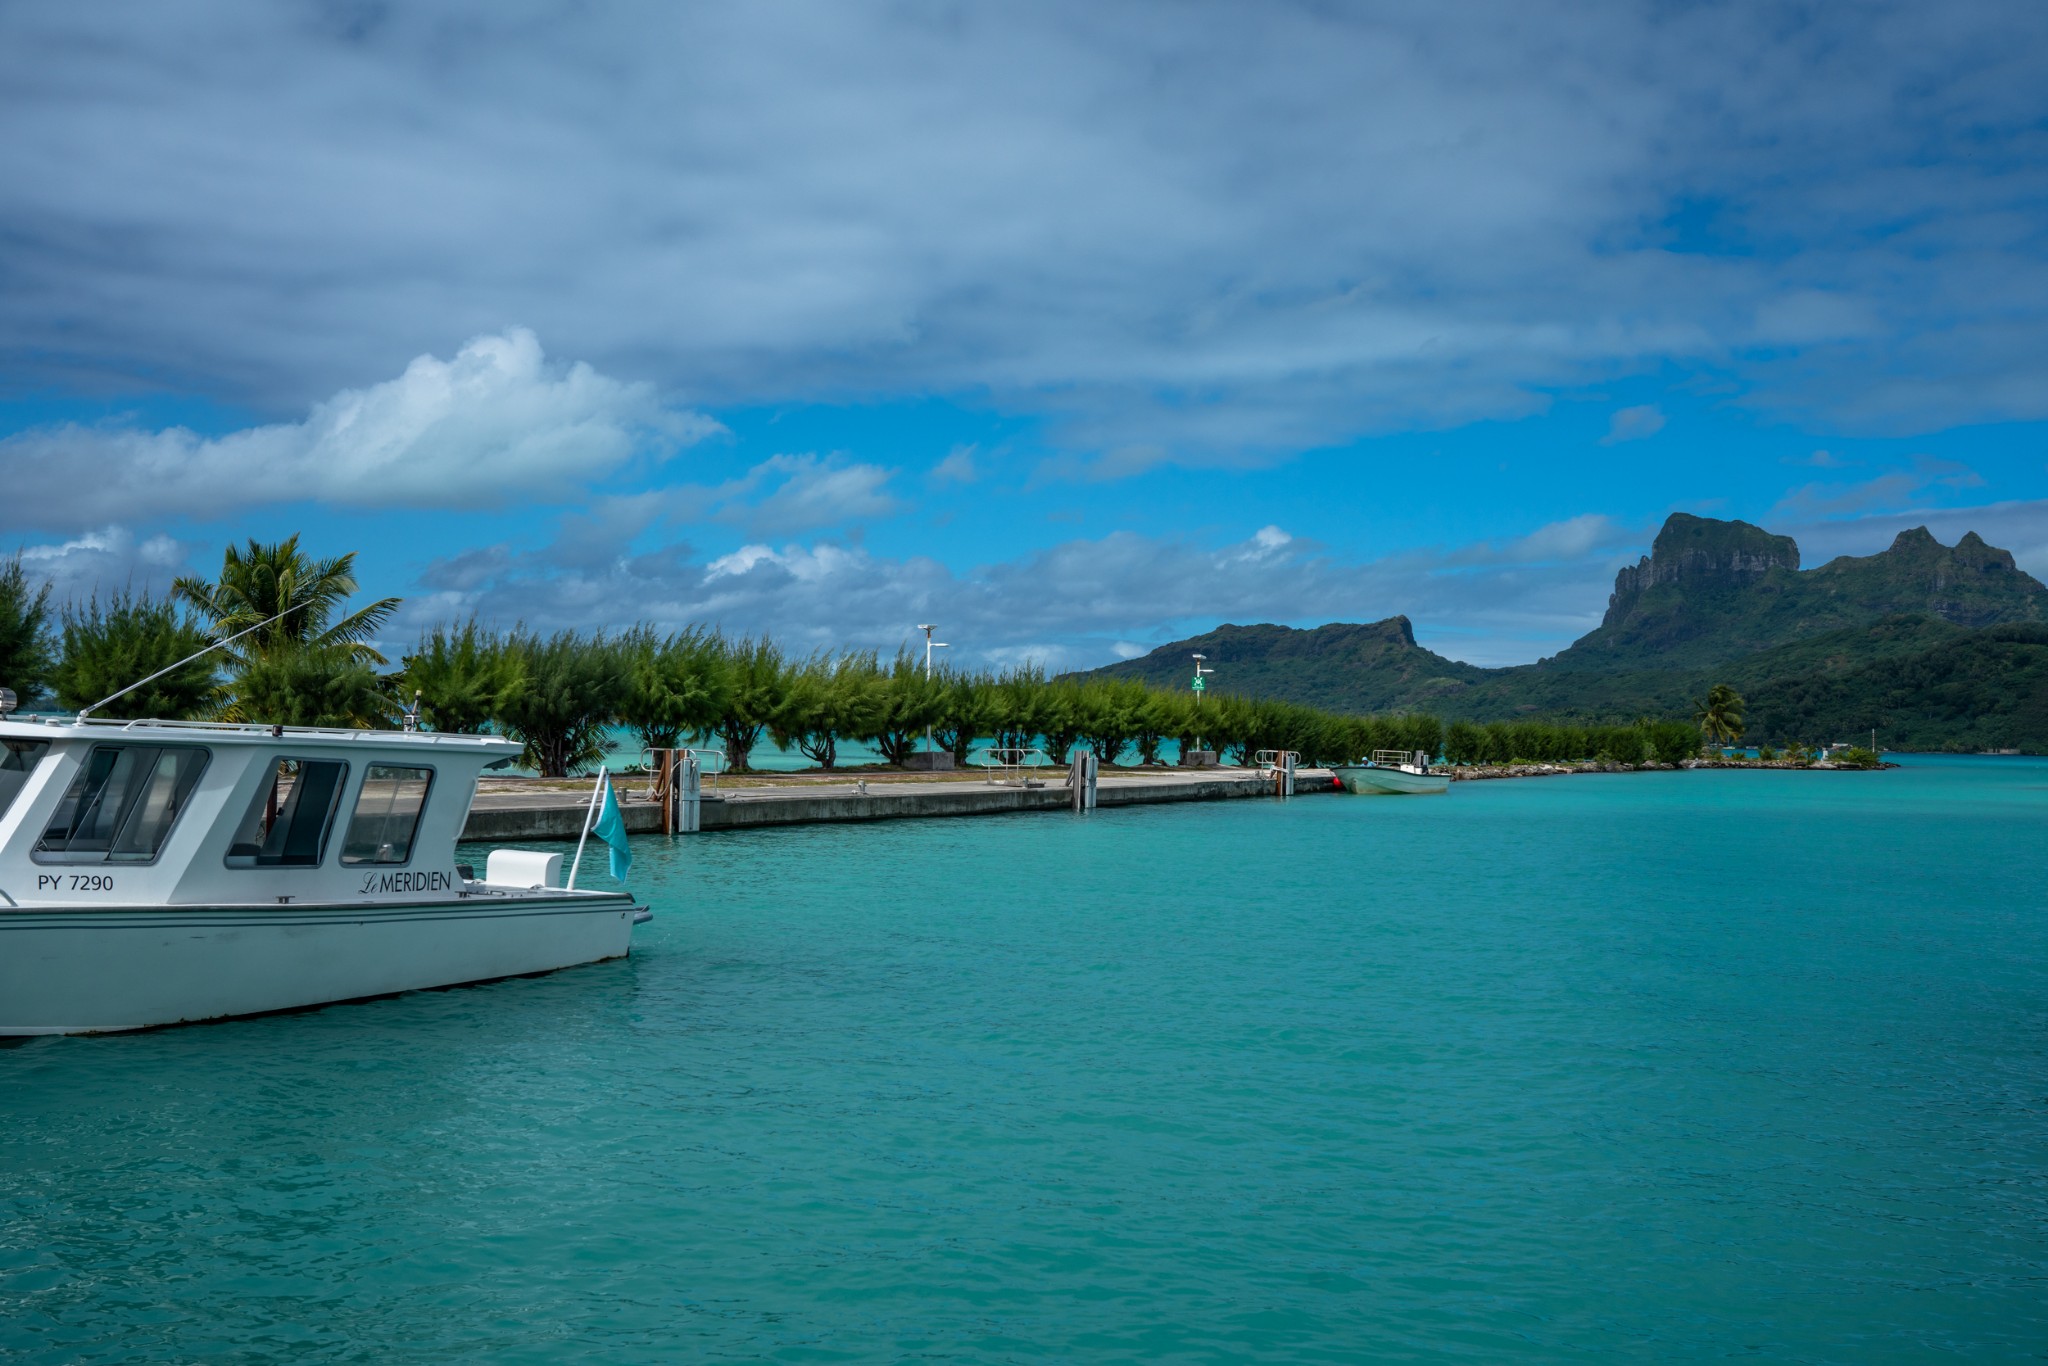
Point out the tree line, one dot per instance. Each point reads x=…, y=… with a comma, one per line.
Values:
x=562, y=693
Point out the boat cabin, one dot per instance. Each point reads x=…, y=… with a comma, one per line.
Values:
x=198, y=813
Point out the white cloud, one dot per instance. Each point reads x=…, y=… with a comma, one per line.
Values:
x=1893, y=489
x=496, y=423
x=957, y=468
x=1266, y=542
x=740, y=561
x=111, y=559
x=1074, y=604
x=1633, y=424
x=805, y=564
x=1566, y=540
x=809, y=492
x=1570, y=539
x=1202, y=235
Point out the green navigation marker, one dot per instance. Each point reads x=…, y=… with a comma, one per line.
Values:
x=1200, y=686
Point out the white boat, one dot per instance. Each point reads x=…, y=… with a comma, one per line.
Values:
x=1392, y=772
x=155, y=872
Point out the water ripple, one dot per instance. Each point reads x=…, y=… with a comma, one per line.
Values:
x=1645, y=1068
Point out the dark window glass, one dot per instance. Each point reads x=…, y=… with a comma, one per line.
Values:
x=387, y=815
x=18, y=759
x=159, y=799
x=123, y=803
x=289, y=816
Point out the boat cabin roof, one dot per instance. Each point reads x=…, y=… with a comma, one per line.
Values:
x=55, y=728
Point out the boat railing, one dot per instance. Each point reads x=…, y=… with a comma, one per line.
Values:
x=1398, y=758
x=1012, y=765
x=351, y=733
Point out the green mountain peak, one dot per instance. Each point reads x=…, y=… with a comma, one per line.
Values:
x=1712, y=591
x=1851, y=644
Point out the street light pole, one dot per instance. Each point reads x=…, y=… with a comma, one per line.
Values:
x=929, y=646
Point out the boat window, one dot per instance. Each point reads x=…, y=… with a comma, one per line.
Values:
x=123, y=803
x=387, y=815
x=290, y=815
x=18, y=759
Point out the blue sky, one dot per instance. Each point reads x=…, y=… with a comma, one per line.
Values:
x=1074, y=328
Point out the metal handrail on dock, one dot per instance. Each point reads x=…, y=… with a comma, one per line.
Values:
x=710, y=763
x=1011, y=765
x=1277, y=767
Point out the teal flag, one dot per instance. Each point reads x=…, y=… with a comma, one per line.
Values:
x=611, y=828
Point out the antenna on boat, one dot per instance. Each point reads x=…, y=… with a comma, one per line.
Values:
x=88, y=711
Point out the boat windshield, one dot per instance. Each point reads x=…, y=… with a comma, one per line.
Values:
x=18, y=759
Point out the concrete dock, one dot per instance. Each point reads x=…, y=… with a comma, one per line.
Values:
x=509, y=809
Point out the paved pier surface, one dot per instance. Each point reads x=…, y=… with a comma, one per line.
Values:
x=527, y=809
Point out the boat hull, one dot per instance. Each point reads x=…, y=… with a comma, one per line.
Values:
x=1367, y=781
x=106, y=969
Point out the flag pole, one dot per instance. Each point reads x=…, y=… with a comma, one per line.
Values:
x=596, y=791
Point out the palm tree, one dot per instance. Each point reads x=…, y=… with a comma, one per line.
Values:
x=260, y=581
x=1720, y=715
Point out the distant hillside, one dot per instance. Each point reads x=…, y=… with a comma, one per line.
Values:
x=1983, y=689
x=1374, y=667
x=1935, y=645
x=1590, y=694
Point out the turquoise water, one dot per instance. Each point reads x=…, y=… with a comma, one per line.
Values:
x=626, y=750
x=1646, y=1067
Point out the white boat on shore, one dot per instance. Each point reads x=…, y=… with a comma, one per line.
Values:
x=156, y=872
x=1391, y=772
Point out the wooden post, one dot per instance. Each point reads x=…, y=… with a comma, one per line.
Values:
x=665, y=787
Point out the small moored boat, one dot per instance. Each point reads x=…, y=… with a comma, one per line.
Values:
x=155, y=872
x=1392, y=772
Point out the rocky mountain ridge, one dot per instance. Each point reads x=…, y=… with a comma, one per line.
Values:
x=1693, y=549
x=1713, y=601
x=1712, y=591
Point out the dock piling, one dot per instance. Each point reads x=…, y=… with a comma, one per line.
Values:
x=1085, y=770
x=688, y=820
x=678, y=790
